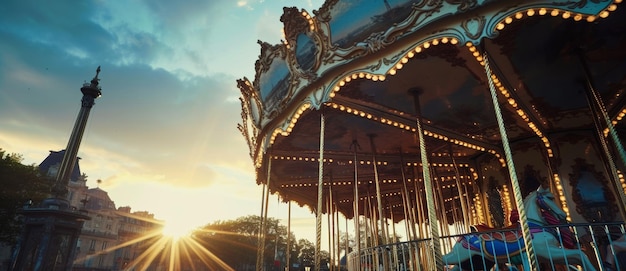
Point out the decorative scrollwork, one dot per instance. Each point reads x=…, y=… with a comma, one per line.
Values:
x=294, y=23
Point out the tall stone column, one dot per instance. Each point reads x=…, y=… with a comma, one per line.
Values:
x=51, y=230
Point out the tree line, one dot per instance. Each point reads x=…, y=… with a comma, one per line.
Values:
x=21, y=185
x=236, y=243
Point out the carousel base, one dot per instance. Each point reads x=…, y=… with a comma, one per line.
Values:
x=603, y=244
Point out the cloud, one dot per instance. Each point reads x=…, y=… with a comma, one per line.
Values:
x=166, y=121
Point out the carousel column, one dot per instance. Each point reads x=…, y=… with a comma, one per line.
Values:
x=330, y=222
x=517, y=192
x=409, y=220
x=428, y=187
x=51, y=230
x=264, y=206
x=379, y=197
x=598, y=110
x=457, y=178
x=403, y=194
x=355, y=205
x=320, y=198
x=288, y=253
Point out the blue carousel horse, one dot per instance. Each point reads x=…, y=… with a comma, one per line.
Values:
x=480, y=249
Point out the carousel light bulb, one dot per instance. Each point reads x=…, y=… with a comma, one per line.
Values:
x=426, y=45
x=542, y=11
x=554, y=13
x=567, y=15
x=445, y=40
x=578, y=17
x=604, y=14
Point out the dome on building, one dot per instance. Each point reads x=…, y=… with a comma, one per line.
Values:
x=50, y=166
x=98, y=199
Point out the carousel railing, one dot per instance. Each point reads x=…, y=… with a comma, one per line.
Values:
x=598, y=242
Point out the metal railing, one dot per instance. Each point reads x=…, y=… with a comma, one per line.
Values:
x=599, y=243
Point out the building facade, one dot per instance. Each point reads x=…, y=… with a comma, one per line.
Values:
x=113, y=238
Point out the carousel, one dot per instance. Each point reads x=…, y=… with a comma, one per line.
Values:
x=449, y=134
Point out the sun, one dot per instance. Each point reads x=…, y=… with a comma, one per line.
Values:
x=177, y=229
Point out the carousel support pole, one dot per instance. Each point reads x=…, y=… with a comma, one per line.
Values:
x=420, y=219
x=331, y=223
x=598, y=110
x=419, y=203
x=367, y=218
x=379, y=196
x=373, y=232
x=320, y=198
x=430, y=201
x=288, y=252
x=409, y=220
x=481, y=197
x=405, y=201
x=337, y=236
x=519, y=201
x=381, y=216
x=457, y=175
x=438, y=181
x=264, y=206
x=346, y=244
x=355, y=204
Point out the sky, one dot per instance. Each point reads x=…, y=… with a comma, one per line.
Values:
x=163, y=136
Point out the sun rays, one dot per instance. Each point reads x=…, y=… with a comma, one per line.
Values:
x=169, y=248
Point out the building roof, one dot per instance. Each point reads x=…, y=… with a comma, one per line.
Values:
x=98, y=199
x=54, y=159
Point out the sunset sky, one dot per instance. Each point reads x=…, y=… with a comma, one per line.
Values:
x=163, y=137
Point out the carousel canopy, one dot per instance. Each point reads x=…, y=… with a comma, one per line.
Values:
x=374, y=71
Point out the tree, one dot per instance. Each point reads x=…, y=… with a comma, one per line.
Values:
x=20, y=184
x=236, y=243
x=306, y=256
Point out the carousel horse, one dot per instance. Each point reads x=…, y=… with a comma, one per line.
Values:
x=483, y=249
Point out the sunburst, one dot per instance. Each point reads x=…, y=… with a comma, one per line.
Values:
x=170, y=246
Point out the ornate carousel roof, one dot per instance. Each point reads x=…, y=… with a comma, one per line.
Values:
x=373, y=70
